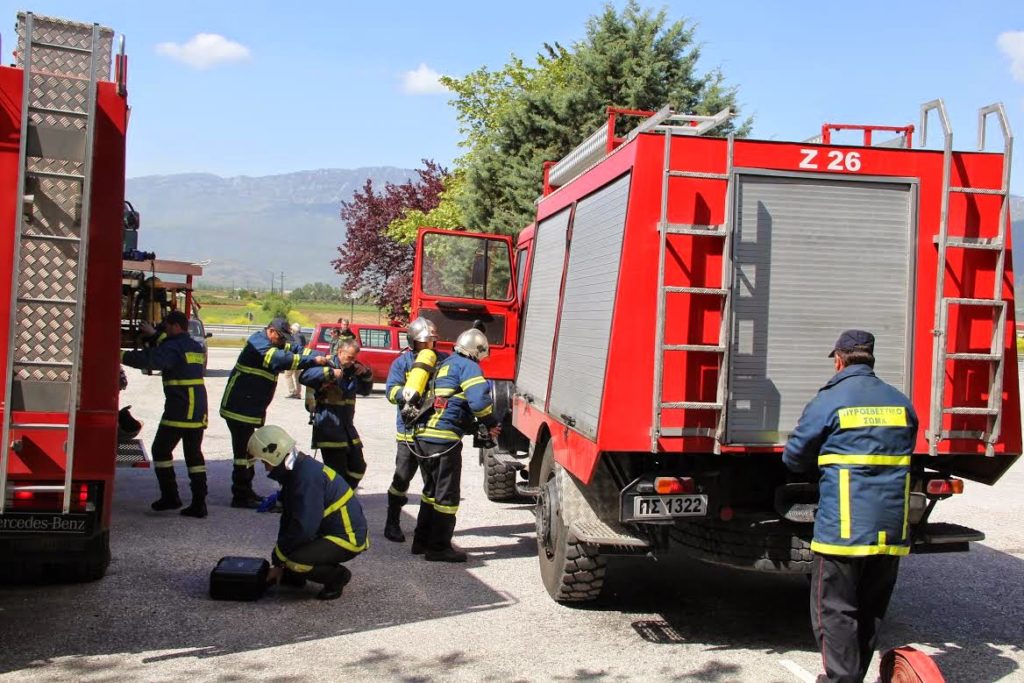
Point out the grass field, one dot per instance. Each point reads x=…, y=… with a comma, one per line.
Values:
x=221, y=310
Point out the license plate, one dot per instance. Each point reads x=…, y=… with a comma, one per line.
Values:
x=648, y=507
x=45, y=523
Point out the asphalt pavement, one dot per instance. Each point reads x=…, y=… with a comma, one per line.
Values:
x=488, y=620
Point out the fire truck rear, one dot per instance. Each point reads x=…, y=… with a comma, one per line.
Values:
x=62, y=165
x=669, y=313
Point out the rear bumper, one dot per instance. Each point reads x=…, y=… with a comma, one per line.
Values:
x=54, y=557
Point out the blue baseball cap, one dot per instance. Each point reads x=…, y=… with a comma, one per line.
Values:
x=281, y=325
x=854, y=340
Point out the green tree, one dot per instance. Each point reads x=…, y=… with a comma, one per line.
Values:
x=277, y=306
x=316, y=291
x=517, y=118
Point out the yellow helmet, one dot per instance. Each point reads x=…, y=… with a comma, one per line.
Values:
x=271, y=444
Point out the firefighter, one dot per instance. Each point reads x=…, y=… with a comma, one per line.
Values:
x=422, y=335
x=322, y=522
x=858, y=434
x=249, y=391
x=180, y=359
x=340, y=334
x=335, y=386
x=461, y=395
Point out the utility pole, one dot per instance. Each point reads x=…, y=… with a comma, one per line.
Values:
x=282, y=283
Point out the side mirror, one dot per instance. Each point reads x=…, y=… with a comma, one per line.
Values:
x=208, y=335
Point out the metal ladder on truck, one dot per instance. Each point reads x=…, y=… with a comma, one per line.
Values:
x=992, y=411
x=693, y=125
x=61, y=63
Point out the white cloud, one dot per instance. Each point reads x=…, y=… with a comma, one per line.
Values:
x=205, y=50
x=1012, y=45
x=422, y=81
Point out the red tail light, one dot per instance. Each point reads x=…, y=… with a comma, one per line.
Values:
x=34, y=497
x=665, y=485
x=944, y=487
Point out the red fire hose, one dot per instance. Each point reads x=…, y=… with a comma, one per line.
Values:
x=908, y=665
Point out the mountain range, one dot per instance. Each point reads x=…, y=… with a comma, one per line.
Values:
x=248, y=227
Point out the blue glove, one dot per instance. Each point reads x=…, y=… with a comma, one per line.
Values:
x=268, y=502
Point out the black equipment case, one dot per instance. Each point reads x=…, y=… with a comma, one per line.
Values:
x=239, y=578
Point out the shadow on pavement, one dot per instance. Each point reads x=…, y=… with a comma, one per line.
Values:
x=154, y=597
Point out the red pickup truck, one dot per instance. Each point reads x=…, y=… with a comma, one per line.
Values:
x=380, y=344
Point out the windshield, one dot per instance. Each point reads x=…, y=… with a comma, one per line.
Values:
x=466, y=267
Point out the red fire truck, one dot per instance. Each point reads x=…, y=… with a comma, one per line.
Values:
x=62, y=165
x=665, y=319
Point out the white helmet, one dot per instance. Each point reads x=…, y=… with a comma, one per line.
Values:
x=422, y=330
x=473, y=344
x=271, y=444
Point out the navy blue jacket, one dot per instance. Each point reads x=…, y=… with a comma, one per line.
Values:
x=397, y=375
x=334, y=412
x=860, y=433
x=254, y=378
x=316, y=503
x=180, y=360
x=461, y=394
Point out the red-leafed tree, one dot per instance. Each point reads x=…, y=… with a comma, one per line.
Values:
x=371, y=261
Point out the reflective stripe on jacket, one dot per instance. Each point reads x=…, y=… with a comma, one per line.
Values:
x=316, y=503
x=180, y=360
x=461, y=394
x=253, y=380
x=860, y=433
x=397, y=375
x=334, y=414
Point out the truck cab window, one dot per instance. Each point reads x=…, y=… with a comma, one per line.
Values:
x=466, y=267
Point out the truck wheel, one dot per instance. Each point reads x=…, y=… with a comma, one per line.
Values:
x=499, y=477
x=571, y=571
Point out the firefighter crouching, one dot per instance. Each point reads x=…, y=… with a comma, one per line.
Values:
x=335, y=386
x=460, y=396
x=422, y=335
x=859, y=434
x=250, y=390
x=180, y=360
x=322, y=522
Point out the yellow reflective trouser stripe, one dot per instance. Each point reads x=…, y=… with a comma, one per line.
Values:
x=906, y=504
x=426, y=499
x=339, y=402
x=183, y=382
x=183, y=425
x=241, y=418
x=338, y=504
x=256, y=371
x=355, y=475
x=331, y=444
x=439, y=434
x=295, y=362
x=393, y=393
x=191, y=403
x=197, y=469
x=881, y=460
x=347, y=545
x=446, y=509
x=844, y=504
x=859, y=550
x=395, y=492
x=872, y=416
x=195, y=358
x=294, y=566
x=240, y=462
x=268, y=357
x=472, y=382
x=163, y=463
x=484, y=412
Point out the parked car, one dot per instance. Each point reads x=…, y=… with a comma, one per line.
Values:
x=197, y=331
x=380, y=345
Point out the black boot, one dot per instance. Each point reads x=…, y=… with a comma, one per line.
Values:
x=440, y=548
x=392, y=528
x=293, y=580
x=197, y=482
x=335, y=584
x=169, y=499
x=242, y=495
x=421, y=536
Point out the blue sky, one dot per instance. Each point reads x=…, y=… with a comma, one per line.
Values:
x=323, y=84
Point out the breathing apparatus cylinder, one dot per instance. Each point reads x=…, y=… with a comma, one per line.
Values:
x=416, y=384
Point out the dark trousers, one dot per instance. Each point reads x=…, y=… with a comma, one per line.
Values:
x=164, y=443
x=849, y=596
x=242, y=472
x=406, y=465
x=318, y=560
x=441, y=468
x=348, y=462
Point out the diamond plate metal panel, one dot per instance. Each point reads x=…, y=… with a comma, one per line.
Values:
x=48, y=270
x=44, y=333
x=70, y=34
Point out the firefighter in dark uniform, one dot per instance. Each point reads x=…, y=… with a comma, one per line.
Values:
x=180, y=360
x=322, y=522
x=461, y=396
x=858, y=433
x=422, y=335
x=335, y=387
x=249, y=391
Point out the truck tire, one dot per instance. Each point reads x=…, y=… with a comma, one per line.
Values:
x=571, y=571
x=499, y=477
